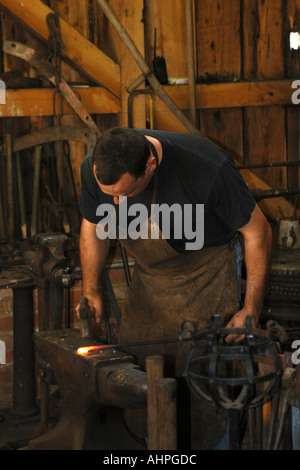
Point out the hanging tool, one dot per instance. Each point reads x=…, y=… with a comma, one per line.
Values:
x=159, y=65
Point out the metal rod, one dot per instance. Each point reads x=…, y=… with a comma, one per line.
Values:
x=234, y=420
x=21, y=196
x=270, y=193
x=90, y=349
x=273, y=420
x=36, y=189
x=10, y=191
x=269, y=165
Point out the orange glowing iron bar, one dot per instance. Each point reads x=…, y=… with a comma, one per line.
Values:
x=85, y=350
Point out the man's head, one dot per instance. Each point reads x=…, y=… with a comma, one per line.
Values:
x=118, y=151
x=122, y=162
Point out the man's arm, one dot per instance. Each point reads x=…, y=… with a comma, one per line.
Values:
x=258, y=244
x=93, y=254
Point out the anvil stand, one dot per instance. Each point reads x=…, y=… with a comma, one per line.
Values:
x=24, y=399
x=24, y=408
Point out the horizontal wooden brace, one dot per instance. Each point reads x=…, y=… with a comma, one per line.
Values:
x=42, y=102
x=234, y=94
x=97, y=100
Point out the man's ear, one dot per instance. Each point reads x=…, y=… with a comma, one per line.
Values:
x=94, y=171
x=151, y=163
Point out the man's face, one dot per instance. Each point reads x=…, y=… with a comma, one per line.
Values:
x=128, y=185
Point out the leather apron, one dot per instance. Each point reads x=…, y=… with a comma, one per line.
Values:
x=167, y=288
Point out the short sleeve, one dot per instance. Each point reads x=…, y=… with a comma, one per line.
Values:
x=88, y=202
x=230, y=197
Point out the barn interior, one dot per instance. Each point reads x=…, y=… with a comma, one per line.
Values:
x=225, y=69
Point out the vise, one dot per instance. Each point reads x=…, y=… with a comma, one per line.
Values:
x=94, y=390
x=46, y=259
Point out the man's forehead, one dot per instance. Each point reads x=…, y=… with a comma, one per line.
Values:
x=126, y=184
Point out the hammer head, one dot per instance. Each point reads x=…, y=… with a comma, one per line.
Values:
x=85, y=317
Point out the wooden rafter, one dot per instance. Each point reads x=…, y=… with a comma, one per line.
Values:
x=83, y=54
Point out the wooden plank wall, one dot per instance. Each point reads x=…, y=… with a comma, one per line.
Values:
x=248, y=40
x=235, y=40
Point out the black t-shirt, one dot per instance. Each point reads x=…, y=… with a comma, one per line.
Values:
x=192, y=171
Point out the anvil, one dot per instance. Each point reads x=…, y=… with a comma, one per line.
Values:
x=94, y=391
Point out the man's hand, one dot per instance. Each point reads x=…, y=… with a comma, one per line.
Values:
x=257, y=236
x=238, y=321
x=93, y=253
x=95, y=304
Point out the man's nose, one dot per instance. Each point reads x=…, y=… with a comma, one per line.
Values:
x=119, y=199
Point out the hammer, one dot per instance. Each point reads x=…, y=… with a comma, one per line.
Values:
x=85, y=317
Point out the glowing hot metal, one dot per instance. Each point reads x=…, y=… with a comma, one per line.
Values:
x=85, y=350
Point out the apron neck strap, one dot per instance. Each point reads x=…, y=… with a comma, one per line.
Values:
x=153, y=149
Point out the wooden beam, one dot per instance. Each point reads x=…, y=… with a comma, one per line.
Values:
x=83, y=54
x=40, y=102
x=234, y=94
x=129, y=69
x=275, y=208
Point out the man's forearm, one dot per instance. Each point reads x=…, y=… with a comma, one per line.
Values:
x=93, y=254
x=258, y=245
x=257, y=259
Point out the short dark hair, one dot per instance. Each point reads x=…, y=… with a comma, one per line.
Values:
x=120, y=150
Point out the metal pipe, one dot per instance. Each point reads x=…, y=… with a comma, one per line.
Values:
x=133, y=94
x=24, y=402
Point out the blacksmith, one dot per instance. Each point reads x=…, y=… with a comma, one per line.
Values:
x=171, y=282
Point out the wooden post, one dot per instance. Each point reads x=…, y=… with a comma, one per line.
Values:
x=129, y=13
x=154, y=372
x=190, y=58
x=166, y=414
